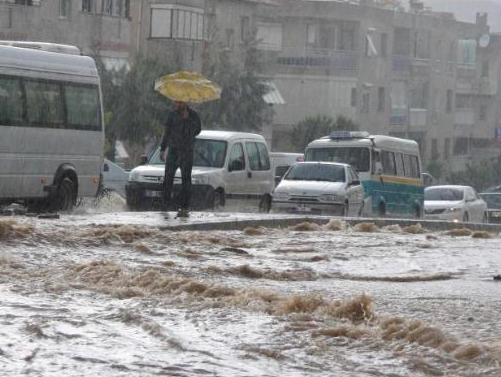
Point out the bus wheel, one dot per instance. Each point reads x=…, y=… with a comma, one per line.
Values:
x=66, y=195
x=265, y=204
x=382, y=210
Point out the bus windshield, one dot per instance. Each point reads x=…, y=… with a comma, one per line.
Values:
x=358, y=157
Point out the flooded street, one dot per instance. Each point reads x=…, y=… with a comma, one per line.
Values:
x=115, y=294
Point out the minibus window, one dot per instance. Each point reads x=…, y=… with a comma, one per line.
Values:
x=388, y=160
x=358, y=157
x=11, y=104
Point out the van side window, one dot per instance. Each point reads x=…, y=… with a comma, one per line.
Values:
x=400, y=164
x=11, y=104
x=44, y=102
x=416, y=173
x=264, y=159
x=83, y=106
x=388, y=161
x=258, y=156
x=237, y=160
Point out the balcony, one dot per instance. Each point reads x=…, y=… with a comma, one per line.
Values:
x=323, y=58
x=408, y=65
x=464, y=116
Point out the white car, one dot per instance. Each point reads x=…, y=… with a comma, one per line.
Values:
x=114, y=177
x=454, y=203
x=319, y=188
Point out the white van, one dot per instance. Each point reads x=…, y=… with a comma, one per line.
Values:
x=227, y=165
x=282, y=161
x=51, y=126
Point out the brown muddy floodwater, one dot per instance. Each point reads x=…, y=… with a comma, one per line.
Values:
x=115, y=295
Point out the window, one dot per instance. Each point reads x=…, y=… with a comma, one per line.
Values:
x=449, y=97
x=482, y=113
x=485, y=68
x=357, y=157
x=388, y=161
x=269, y=36
x=169, y=22
x=402, y=41
x=384, y=44
x=64, y=8
x=244, y=28
x=209, y=153
x=347, y=38
x=399, y=163
x=321, y=36
x=460, y=147
x=467, y=49
x=258, y=156
x=11, y=104
x=366, y=99
x=411, y=166
x=353, y=98
x=419, y=95
x=447, y=148
x=44, y=103
x=264, y=159
x=83, y=106
x=107, y=7
x=126, y=9
x=434, y=148
x=116, y=8
x=87, y=6
x=381, y=99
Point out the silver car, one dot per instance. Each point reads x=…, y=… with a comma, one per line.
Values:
x=319, y=188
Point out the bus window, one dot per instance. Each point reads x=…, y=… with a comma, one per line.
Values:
x=388, y=160
x=83, y=106
x=376, y=162
x=11, y=104
x=358, y=157
x=411, y=166
x=44, y=103
x=415, y=167
x=399, y=164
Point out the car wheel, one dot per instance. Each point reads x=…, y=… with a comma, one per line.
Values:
x=465, y=217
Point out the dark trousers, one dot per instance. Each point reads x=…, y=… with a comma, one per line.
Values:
x=178, y=159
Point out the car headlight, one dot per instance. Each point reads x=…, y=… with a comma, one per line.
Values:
x=331, y=198
x=200, y=179
x=281, y=196
x=453, y=209
x=134, y=176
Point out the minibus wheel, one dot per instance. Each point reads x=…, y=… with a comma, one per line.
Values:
x=382, y=209
x=66, y=195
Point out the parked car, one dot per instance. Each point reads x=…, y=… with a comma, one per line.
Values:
x=319, y=188
x=454, y=203
x=282, y=161
x=226, y=165
x=114, y=177
x=493, y=200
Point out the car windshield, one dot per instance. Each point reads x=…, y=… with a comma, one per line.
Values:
x=492, y=200
x=207, y=153
x=316, y=172
x=443, y=193
x=358, y=157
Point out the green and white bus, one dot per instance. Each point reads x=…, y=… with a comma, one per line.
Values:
x=389, y=167
x=51, y=125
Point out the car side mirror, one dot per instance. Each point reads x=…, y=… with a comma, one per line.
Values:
x=355, y=182
x=144, y=159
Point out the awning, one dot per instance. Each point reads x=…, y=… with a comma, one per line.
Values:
x=273, y=97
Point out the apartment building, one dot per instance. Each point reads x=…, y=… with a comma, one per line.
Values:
x=95, y=26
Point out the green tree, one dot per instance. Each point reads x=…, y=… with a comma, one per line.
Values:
x=241, y=107
x=480, y=175
x=312, y=128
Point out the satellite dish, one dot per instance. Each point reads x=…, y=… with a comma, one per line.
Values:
x=484, y=40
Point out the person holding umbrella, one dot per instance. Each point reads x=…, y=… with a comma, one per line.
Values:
x=181, y=128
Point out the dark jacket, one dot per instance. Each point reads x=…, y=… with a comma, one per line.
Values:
x=180, y=133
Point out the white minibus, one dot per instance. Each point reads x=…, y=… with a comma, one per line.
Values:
x=389, y=168
x=51, y=127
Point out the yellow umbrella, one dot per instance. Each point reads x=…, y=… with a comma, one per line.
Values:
x=187, y=86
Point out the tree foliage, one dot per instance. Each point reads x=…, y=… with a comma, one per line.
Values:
x=480, y=175
x=312, y=128
x=241, y=107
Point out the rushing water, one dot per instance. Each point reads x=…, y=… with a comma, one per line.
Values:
x=116, y=295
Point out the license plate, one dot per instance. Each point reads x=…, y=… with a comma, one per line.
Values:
x=303, y=208
x=152, y=193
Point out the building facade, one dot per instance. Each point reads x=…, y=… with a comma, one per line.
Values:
x=100, y=27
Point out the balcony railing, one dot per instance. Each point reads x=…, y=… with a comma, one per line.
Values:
x=344, y=60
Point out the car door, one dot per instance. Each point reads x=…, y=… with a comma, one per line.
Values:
x=355, y=191
x=471, y=205
x=480, y=207
x=259, y=175
x=236, y=178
